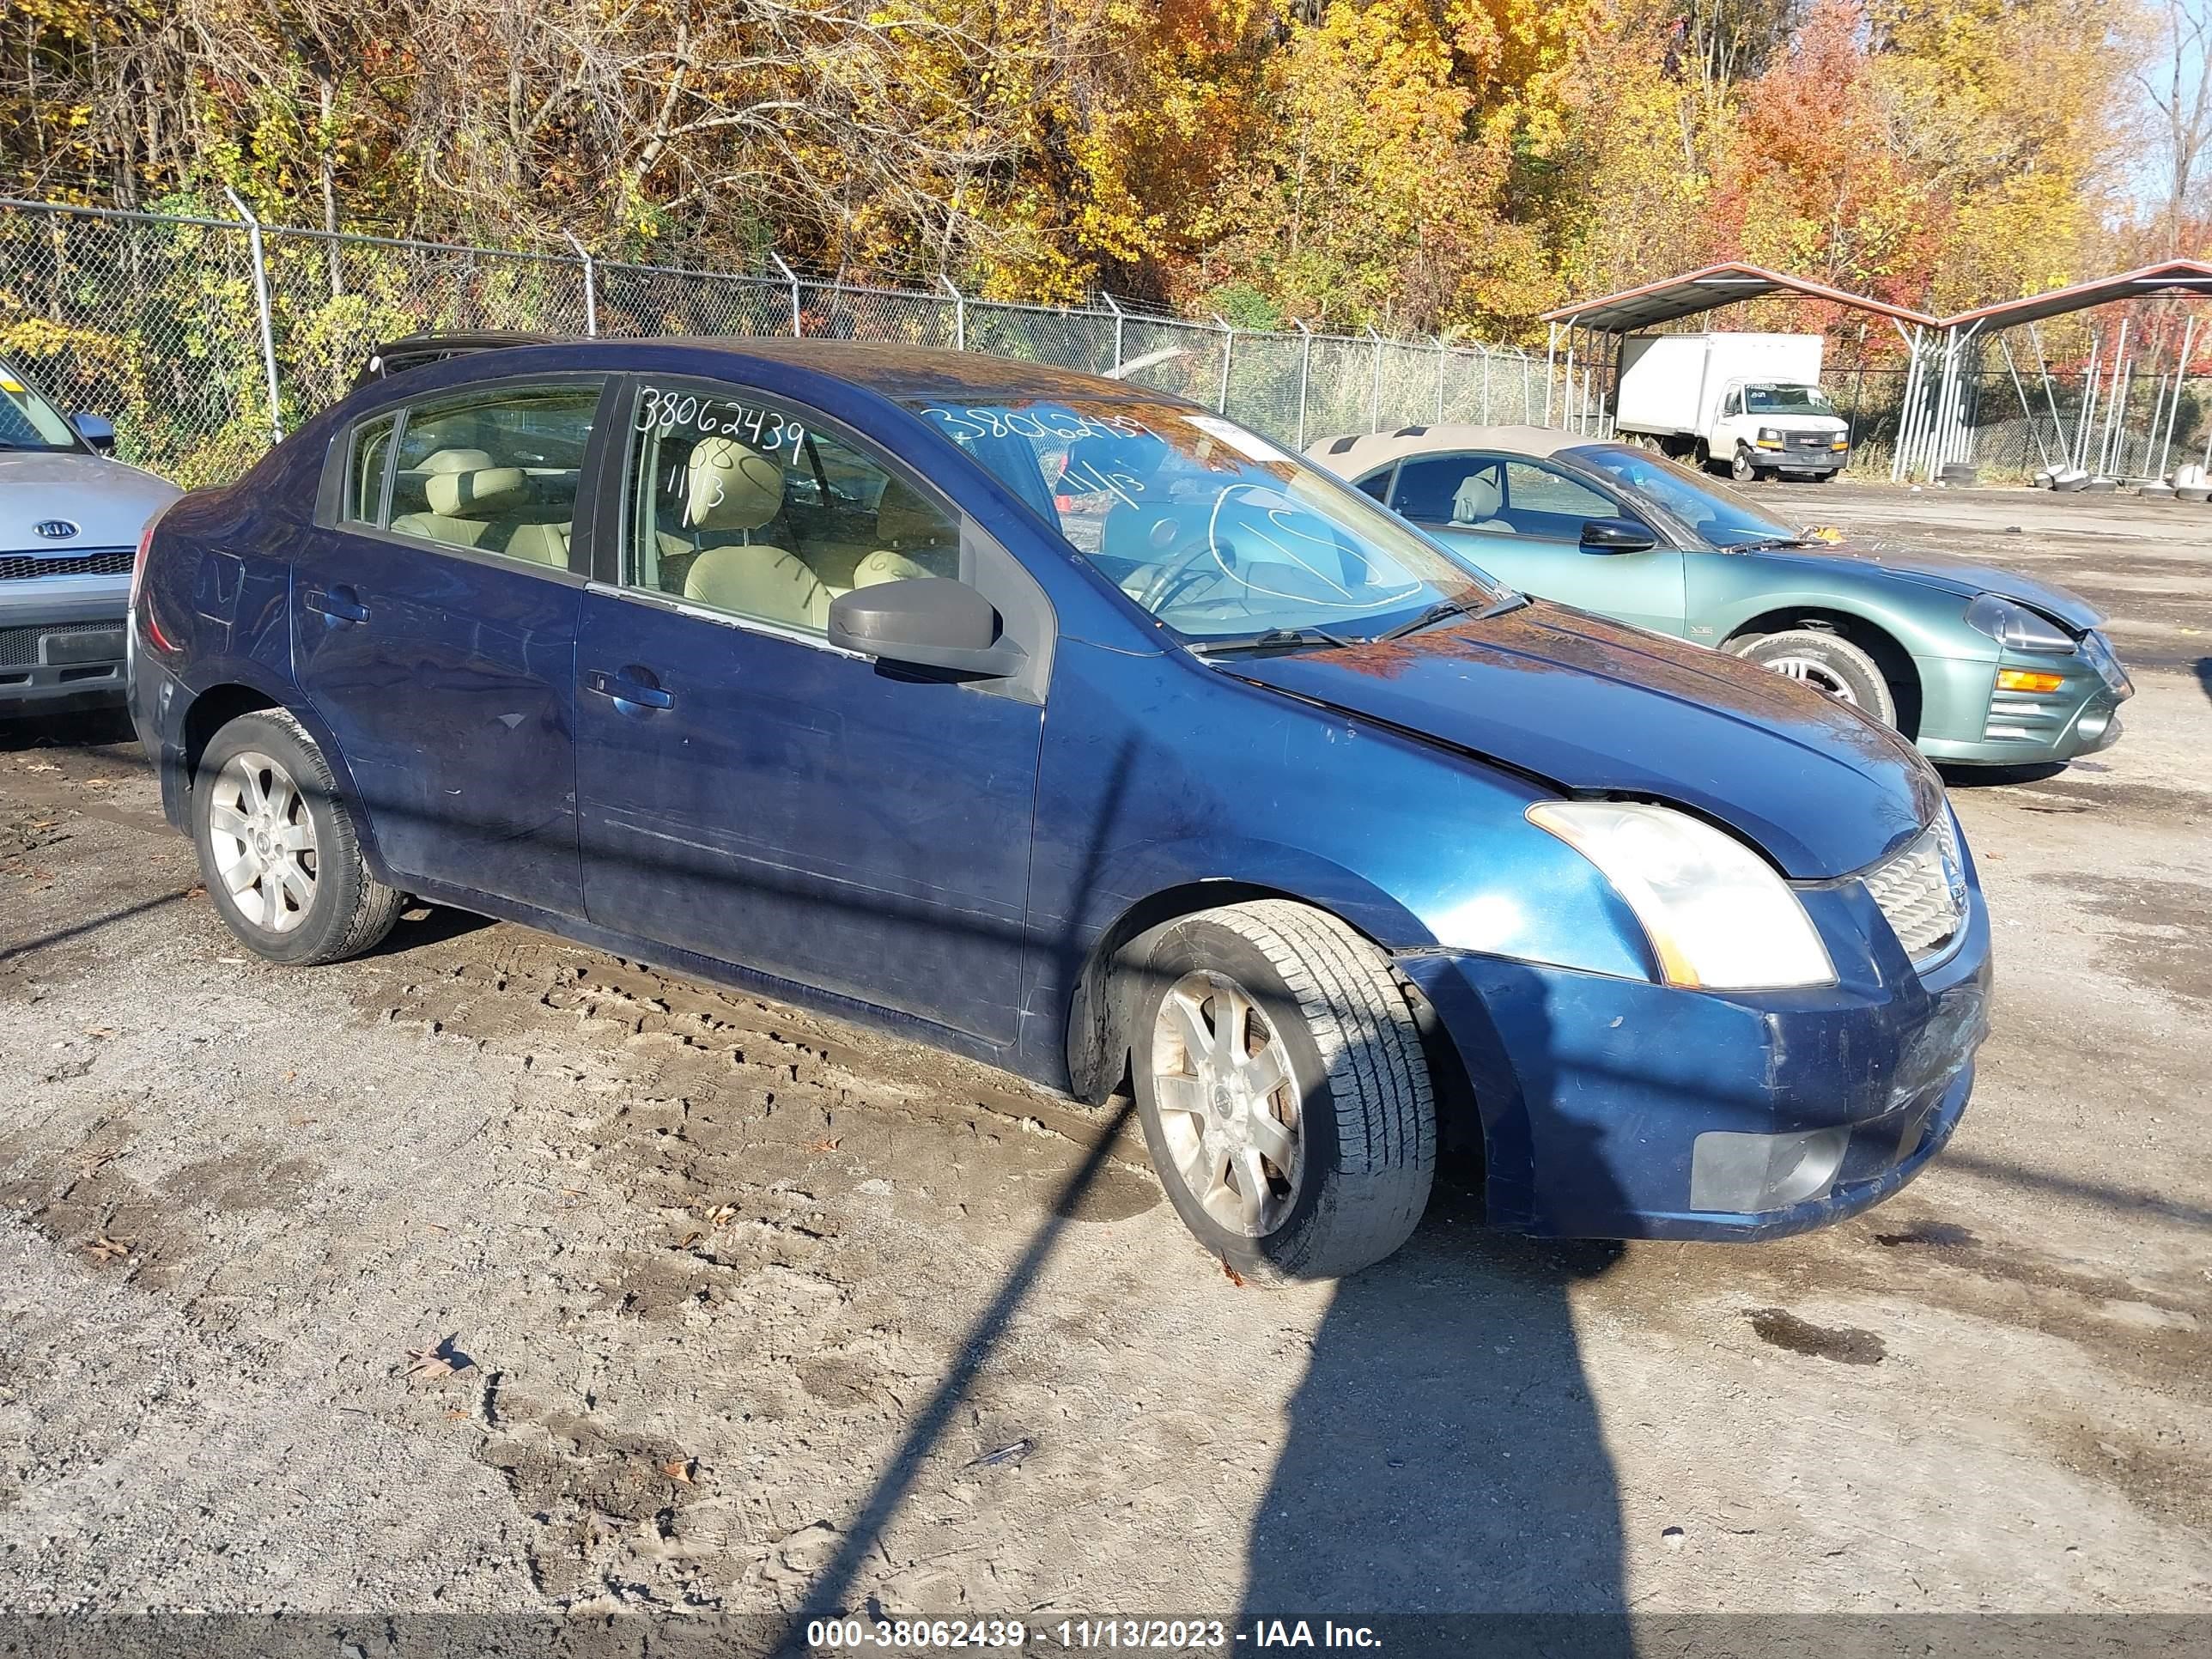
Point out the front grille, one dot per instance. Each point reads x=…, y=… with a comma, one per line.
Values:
x=19, y=646
x=1923, y=890
x=99, y=561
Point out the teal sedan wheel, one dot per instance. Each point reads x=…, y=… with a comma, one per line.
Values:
x=1828, y=663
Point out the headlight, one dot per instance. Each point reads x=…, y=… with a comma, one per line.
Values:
x=1716, y=914
x=1770, y=435
x=2015, y=625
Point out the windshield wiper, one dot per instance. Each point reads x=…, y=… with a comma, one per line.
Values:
x=1445, y=610
x=1273, y=639
x=1769, y=543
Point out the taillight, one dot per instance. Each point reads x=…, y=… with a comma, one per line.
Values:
x=138, y=581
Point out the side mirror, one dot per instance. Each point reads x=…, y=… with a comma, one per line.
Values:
x=95, y=429
x=1616, y=536
x=929, y=621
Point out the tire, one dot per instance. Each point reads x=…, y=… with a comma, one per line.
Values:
x=1829, y=663
x=1701, y=453
x=262, y=788
x=1347, y=1163
x=1740, y=467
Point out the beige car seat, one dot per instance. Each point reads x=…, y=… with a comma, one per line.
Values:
x=474, y=504
x=732, y=489
x=1476, y=501
x=916, y=540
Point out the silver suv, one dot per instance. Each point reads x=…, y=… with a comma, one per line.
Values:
x=70, y=518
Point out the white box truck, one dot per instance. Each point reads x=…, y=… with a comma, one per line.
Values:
x=1748, y=404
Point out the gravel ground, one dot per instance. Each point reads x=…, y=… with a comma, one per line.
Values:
x=489, y=1273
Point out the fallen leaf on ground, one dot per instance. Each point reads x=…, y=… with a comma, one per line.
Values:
x=1232, y=1275
x=688, y=1239
x=105, y=1248
x=429, y=1364
x=721, y=1215
x=678, y=1470
x=290, y=1077
x=99, y=1030
x=828, y=1144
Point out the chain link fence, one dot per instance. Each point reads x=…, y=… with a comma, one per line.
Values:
x=206, y=339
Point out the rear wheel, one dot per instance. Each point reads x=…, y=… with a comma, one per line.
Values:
x=279, y=851
x=1282, y=1088
x=1827, y=662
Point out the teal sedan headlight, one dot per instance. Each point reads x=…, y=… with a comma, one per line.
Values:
x=2015, y=627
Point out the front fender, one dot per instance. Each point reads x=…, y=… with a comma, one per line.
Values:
x=1926, y=623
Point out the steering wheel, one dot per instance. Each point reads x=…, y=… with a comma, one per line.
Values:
x=1172, y=576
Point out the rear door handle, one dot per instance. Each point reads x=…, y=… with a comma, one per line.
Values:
x=624, y=689
x=339, y=606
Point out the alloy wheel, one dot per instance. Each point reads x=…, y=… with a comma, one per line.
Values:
x=264, y=841
x=1812, y=671
x=1227, y=1104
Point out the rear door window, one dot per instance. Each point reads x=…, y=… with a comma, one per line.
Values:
x=497, y=471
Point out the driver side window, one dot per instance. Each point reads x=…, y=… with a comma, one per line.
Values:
x=737, y=503
x=1733, y=405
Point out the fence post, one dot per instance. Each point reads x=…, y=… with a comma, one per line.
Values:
x=959, y=313
x=1228, y=346
x=261, y=306
x=1444, y=352
x=1374, y=383
x=798, y=328
x=590, y=285
x=1108, y=300
x=1305, y=369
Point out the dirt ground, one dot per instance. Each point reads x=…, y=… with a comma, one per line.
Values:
x=489, y=1274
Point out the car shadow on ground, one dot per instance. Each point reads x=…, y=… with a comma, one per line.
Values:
x=2202, y=669
x=93, y=728
x=1443, y=1453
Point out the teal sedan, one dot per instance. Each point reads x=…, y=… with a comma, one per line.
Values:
x=1978, y=664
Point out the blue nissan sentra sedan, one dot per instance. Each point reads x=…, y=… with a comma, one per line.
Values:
x=1066, y=725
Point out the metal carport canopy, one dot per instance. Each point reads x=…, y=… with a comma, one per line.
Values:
x=1706, y=290
x=2170, y=276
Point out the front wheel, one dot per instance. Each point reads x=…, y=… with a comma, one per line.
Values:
x=1741, y=468
x=1827, y=662
x=1284, y=1095
x=278, y=849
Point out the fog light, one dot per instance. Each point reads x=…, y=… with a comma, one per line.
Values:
x=2019, y=679
x=1751, y=1173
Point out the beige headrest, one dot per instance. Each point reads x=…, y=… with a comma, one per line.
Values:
x=1476, y=498
x=887, y=565
x=455, y=460
x=732, y=488
x=903, y=519
x=477, y=495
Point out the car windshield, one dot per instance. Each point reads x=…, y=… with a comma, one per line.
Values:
x=1786, y=400
x=1210, y=528
x=1720, y=516
x=28, y=420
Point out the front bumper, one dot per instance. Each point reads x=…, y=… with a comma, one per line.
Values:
x=1968, y=720
x=61, y=642
x=1793, y=457
x=1594, y=1091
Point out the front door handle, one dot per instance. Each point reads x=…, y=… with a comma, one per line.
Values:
x=339, y=605
x=623, y=688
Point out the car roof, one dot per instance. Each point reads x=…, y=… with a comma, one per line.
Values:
x=1356, y=453
x=895, y=372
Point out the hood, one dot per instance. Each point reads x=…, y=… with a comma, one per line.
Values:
x=1965, y=577
x=1597, y=707
x=108, y=502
